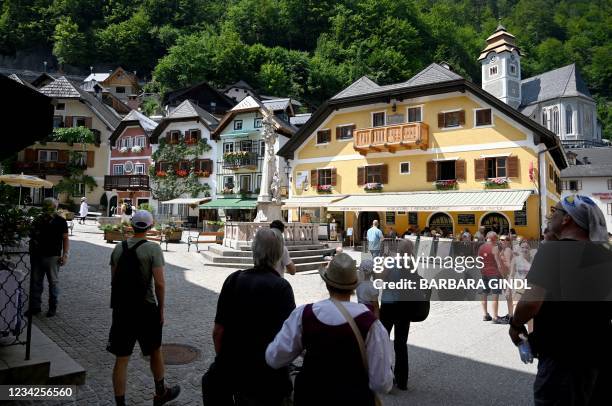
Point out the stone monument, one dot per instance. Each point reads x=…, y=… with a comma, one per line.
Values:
x=269, y=201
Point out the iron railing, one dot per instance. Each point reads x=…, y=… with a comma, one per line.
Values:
x=15, y=293
x=125, y=182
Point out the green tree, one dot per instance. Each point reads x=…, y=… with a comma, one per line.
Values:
x=69, y=46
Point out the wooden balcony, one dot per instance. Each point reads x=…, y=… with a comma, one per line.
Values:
x=126, y=182
x=391, y=138
x=42, y=168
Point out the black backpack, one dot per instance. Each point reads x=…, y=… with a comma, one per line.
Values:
x=129, y=287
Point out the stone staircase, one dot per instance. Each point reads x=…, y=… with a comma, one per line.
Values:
x=306, y=257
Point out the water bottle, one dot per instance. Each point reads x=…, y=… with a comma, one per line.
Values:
x=525, y=350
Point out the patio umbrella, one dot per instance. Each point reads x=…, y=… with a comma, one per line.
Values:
x=24, y=181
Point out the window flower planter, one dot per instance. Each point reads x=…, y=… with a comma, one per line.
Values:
x=446, y=184
x=202, y=174
x=324, y=188
x=124, y=150
x=182, y=173
x=137, y=149
x=161, y=174
x=373, y=187
x=497, y=183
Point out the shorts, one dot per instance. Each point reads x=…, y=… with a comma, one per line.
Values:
x=130, y=326
x=487, y=290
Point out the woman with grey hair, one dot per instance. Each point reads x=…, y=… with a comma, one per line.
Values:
x=252, y=306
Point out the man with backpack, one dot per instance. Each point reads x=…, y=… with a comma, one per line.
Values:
x=137, y=300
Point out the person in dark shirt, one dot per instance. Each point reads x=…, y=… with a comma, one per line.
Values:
x=252, y=306
x=49, y=248
x=570, y=286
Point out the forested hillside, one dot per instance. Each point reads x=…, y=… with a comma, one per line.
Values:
x=310, y=49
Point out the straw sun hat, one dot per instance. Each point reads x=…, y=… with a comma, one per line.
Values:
x=341, y=273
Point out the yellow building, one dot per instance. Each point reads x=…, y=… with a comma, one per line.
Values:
x=435, y=151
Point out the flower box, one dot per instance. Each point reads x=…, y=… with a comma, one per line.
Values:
x=136, y=149
x=182, y=173
x=124, y=150
x=111, y=236
x=446, y=184
x=161, y=174
x=324, y=188
x=497, y=183
x=202, y=174
x=191, y=141
x=373, y=187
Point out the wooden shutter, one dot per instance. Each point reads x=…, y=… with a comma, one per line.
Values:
x=314, y=177
x=62, y=156
x=157, y=166
x=480, y=170
x=88, y=122
x=384, y=173
x=353, y=128
x=361, y=175
x=68, y=121
x=460, y=169
x=90, y=159
x=208, y=164
x=431, y=171
x=30, y=155
x=441, y=120
x=513, y=167
x=461, y=117
x=334, y=177
x=338, y=133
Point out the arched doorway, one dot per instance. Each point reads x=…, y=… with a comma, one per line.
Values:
x=112, y=205
x=441, y=221
x=365, y=222
x=495, y=222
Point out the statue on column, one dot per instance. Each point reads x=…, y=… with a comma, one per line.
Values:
x=275, y=187
x=268, y=201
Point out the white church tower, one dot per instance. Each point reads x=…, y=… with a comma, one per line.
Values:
x=501, y=67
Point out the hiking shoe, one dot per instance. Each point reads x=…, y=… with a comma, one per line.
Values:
x=171, y=394
x=487, y=317
x=51, y=312
x=500, y=320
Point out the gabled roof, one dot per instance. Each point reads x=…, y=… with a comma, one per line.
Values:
x=300, y=119
x=562, y=82
x=175, y=94
x=98, y=77
x=404, y=91
x=21, y=81
x=61, y=88
x=596, y=155
x=248, y=104
x=587, y=171
x=133, y=118
x=277, y=104
x=241, y=84
x=186, y=111
x=434, y=73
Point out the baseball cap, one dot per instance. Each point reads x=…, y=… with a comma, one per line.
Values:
x=142, y=219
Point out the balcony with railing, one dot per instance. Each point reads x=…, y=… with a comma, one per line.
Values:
x=391, y=138
x=42, y=168
x=240, y=160
x=126, y=182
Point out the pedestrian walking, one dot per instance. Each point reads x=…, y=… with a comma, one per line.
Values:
x=285, y=263
x=568, y=285
x=348, y=353
x=506, y=255
x=252, y=306
x=375, y=237
x=399, y=308
x=83, y=210
x=49, y=250
x=137, y=299
x=481, y=234
x=491, y=277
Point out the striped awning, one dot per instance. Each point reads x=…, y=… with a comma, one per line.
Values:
x=311, y=201
x=485, y=200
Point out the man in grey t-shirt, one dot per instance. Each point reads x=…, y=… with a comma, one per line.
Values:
x=285, y=263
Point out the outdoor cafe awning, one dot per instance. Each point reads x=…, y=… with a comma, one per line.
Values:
x=486, y=200
x=230, y=204
x=184, y=200
x=311, y=201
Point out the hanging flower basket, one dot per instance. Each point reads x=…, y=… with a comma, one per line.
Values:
x=373, y=187
x=446, y=184
x=497, y=183
x=324, y=188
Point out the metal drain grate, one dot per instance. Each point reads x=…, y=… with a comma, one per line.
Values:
x=179, y=354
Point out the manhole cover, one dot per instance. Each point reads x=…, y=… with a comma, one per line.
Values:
x=179, y=354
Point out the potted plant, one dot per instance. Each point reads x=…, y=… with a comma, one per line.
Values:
x=373, y=187
x=124, y=150
x=173, y=233
x=137, y=149
x=324, y=188
x=446, y=184
x=497, y=183
x=116, y=232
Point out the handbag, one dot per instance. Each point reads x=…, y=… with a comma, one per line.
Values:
x=417, y=302
x=362, y=347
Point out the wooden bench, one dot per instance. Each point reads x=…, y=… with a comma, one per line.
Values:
x=205, y=237
x=157, y=236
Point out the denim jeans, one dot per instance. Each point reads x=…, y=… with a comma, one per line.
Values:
x=375, y=253
x=42, y=266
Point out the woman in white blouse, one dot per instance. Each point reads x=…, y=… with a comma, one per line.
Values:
x=333, y=372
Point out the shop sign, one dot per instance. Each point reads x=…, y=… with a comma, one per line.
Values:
x=603, y=195
x=466, y=219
